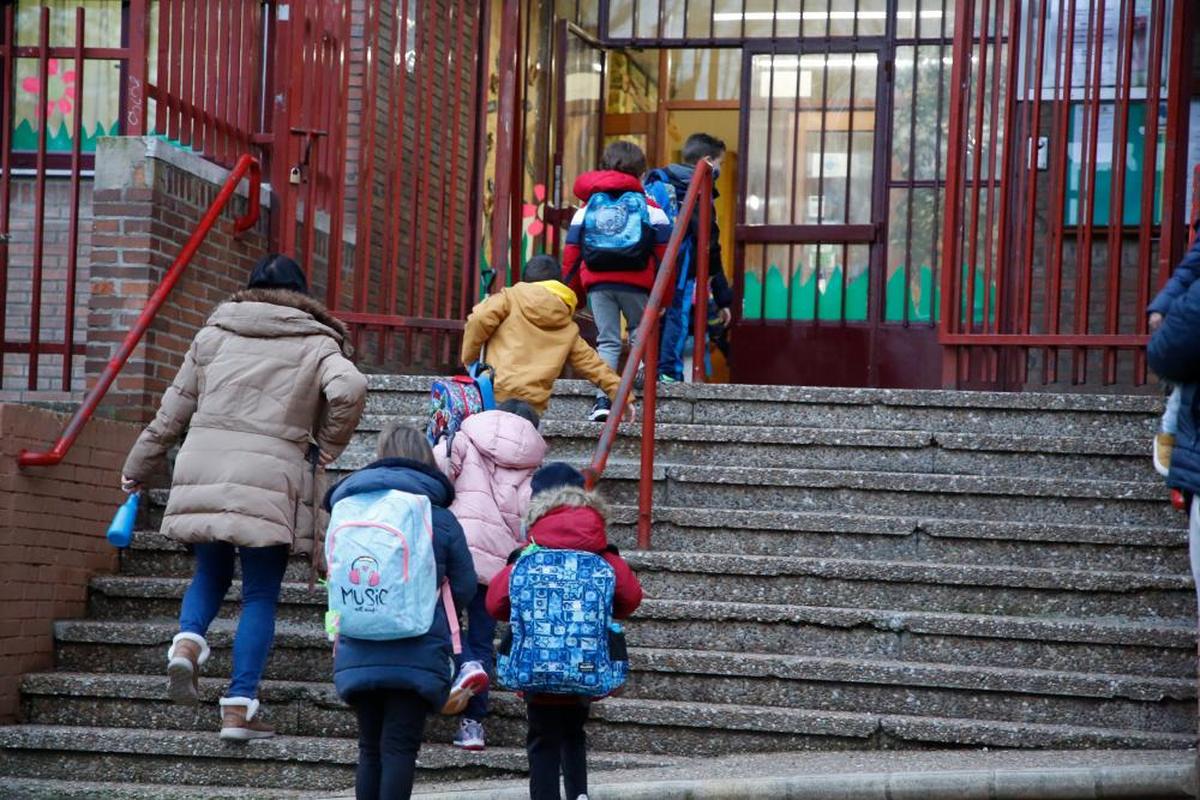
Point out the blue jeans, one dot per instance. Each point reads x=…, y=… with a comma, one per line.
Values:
x=675, y=333
x=262, y=577
x=479, y=645
x=1170, y=417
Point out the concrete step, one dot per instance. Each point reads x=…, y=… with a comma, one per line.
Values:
x=642, y=725
x=46, y=789
x=1060, y=645
x=815, y=683
x=944, y=452
x=1101, y=416
x=793, y=581
x=1118, y=548
x=175, y=756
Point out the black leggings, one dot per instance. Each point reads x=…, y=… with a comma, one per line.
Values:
x=390, y=725
x=557, y=740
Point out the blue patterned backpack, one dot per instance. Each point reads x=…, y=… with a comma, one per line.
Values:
x=617, y=235
x=562, y=638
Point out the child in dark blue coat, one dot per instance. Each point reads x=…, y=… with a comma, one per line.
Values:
x=392, y=685
x=1181, y=280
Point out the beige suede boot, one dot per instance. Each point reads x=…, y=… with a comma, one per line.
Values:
x=238, y=720
x=188, y=651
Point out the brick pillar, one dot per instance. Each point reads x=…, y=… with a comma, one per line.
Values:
x=149, y=198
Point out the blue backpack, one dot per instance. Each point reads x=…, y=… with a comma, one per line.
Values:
x=382, y=571
x=662, y=191
x=617, y=235
x=453, y=399
x=562, y=639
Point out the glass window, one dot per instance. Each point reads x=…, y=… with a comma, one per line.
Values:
x=713, y=74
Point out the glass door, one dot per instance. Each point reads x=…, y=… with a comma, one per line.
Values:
x=809, y=217
x=578, y=135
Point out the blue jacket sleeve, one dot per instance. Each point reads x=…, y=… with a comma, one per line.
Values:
x=1174, y=350
x=1181, y=280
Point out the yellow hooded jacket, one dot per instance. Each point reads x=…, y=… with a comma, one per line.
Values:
x=530, y=335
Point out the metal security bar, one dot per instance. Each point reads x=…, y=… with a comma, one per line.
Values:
x=1059, y=221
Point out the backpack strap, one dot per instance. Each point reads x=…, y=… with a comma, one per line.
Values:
x=452, y=617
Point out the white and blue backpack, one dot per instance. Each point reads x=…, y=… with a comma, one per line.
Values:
x=617, y=234
x=382, y=574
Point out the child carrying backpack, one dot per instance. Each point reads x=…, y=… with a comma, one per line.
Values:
x=615, y=245
x=396, y=558
x=491, y=462
x=562, y=664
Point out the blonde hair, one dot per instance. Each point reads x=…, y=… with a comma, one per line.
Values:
x=401, y=441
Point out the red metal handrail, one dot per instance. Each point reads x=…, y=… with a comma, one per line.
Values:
x=246, y=164
x=645, y=346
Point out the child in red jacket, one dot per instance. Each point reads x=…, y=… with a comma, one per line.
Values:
x=614, y=293
x=563, y=516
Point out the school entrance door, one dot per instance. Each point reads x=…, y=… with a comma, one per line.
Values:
x=811, y=233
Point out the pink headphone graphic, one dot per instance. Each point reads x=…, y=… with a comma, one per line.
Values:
x=370, y=565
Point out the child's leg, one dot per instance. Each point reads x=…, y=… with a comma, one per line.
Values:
x=574, y=750
x=1170, y=418
x=633, y=305
x=210, y=582
x=606, y=310
x=481, y=643
x=368, y=706
x=403, y=724
x=543, y=743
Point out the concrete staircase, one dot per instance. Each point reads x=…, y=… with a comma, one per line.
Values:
x=833, y=569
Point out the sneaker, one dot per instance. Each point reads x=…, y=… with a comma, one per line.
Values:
x=472, y=680
x=470, y=736
x=669, y=379
x=1164, y=443
x=185, y=656
x=239, y=720
x=600, y=410
x=639, y=380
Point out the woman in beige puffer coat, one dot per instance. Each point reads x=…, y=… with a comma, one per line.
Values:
x=265, y=391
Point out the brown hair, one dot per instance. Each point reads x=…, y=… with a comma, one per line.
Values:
x=624, y=157
x=401, y=441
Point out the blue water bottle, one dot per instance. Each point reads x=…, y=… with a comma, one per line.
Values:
x=120, y=532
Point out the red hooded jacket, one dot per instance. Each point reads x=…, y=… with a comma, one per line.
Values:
x=586, y=185
x=569, y=518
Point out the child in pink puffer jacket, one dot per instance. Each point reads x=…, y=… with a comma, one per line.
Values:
x=490, y=462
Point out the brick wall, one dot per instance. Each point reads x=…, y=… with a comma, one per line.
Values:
x=14, y=378
x=148, y=200
x=47, y=557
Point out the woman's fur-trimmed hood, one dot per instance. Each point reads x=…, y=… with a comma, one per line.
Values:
x=570, y=496
x=314, y=317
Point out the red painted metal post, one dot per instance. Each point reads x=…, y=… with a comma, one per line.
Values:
x=1116, y=214
x=73, y=230
x=649, y=412
x=960, y=83
x=246, y=165
x=8, y=43
x=39, y=201
x=135, y=71
x=506, y=145
x=700, y=300
x=1174, y=192
x=1150, y=147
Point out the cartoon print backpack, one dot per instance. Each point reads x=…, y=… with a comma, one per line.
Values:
x=453, y=399
x=562, y=639
x=382, y=572
x=617, y=235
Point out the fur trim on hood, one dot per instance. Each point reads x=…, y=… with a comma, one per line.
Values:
x=545, y=502
x=301, y=302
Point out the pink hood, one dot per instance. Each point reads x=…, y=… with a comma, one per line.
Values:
x=492, y=459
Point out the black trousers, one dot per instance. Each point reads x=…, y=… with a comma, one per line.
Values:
x=557, y=742
x=390, y=724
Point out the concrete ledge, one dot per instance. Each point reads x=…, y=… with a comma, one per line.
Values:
x=1086, y=783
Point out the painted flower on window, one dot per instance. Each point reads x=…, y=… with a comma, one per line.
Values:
x=535, y=213
x=60, y=88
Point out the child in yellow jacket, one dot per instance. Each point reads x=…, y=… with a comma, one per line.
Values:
x=530, y=335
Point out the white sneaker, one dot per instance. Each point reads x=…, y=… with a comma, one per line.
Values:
x=472, y=680
x=470, y=736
